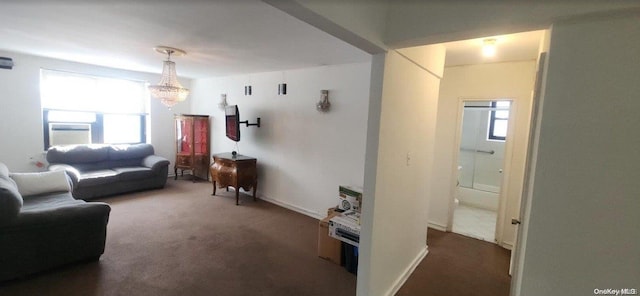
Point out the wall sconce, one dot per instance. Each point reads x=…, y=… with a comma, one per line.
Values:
x=489, y=47
x=323, y=105
x=6, y=63
x=282, y=89
x=223, y=101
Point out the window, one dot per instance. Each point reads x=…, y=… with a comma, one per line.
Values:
x=82, y=109
x=498, y=120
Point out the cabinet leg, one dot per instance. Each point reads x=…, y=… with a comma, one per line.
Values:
x=214, y=188
x=255, y=187
x=175, y=173
x=237, y=196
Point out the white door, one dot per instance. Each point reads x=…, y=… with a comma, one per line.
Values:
x=532, y=133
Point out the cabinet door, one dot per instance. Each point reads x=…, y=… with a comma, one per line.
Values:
x=201, y=136
x=184, y=136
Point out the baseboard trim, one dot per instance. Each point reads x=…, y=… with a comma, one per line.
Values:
x=292, y=207
x=437, y=226
x=407, y=272
x=507, y=245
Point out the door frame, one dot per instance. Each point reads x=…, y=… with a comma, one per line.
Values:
x=525, y=198
x=506, y=165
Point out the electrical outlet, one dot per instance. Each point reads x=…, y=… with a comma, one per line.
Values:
x=408, y=158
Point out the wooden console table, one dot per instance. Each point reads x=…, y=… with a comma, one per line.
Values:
x=237, y=172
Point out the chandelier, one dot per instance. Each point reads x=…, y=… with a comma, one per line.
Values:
x=169, y=91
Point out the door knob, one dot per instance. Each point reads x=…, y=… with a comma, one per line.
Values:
x=515, y=221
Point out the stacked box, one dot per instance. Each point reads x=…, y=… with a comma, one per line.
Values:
x=350, y=198
x=333, y=211
x=328, y=247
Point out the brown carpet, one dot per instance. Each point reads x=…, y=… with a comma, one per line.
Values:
x=182, y=241
x=459, y=265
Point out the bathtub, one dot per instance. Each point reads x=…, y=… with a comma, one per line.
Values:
x=486, y=197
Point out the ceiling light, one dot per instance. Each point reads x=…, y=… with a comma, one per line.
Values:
x=489, y=47
x=169, y=91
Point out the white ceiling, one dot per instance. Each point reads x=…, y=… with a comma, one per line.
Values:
x=512, y=47
x=221, y=38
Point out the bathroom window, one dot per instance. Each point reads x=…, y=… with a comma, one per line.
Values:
x=498, y=120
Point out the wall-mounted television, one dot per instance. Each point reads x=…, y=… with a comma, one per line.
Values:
x=232, y=117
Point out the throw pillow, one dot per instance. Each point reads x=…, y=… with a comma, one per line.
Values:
x=38, y=183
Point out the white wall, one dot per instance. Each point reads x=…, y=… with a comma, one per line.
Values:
x=582, y=225
x=303, y=154
x=487, y=81
x=430, y=22
x=397, y=229
x=21, y=114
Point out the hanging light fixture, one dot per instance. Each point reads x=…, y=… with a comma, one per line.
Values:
x=169, y=91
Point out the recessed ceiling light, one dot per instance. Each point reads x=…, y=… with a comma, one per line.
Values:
x=489, y=47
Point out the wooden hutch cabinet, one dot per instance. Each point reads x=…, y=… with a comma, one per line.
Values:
x=192, y=145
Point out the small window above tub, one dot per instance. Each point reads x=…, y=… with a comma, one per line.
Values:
x=499, y=120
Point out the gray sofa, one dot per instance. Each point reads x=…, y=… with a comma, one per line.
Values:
x=102, y=170
x=44, y=228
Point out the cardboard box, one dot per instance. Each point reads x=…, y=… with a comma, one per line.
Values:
x=328, y=247
x=333, y=211
x=352, y=215
x=350, y=198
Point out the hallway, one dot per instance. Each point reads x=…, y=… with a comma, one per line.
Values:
x=459, y=265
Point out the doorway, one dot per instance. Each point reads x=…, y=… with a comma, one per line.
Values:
x=469, y=76
x=481, y=159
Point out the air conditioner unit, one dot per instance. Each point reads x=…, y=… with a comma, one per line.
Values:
x=69, y=133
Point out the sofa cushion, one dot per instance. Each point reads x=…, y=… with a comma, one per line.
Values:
x=128, y=155
x=97, y=177
x=78, y=154
x=10, y=200
x=137, y=151
x=134, y=162
x=92, y=166
x=133, y=173
x=49, y=201
x=39, y=183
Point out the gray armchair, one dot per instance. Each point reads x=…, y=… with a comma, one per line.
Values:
x=46, y=227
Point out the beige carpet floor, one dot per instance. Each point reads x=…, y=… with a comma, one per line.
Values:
x=182, y=241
